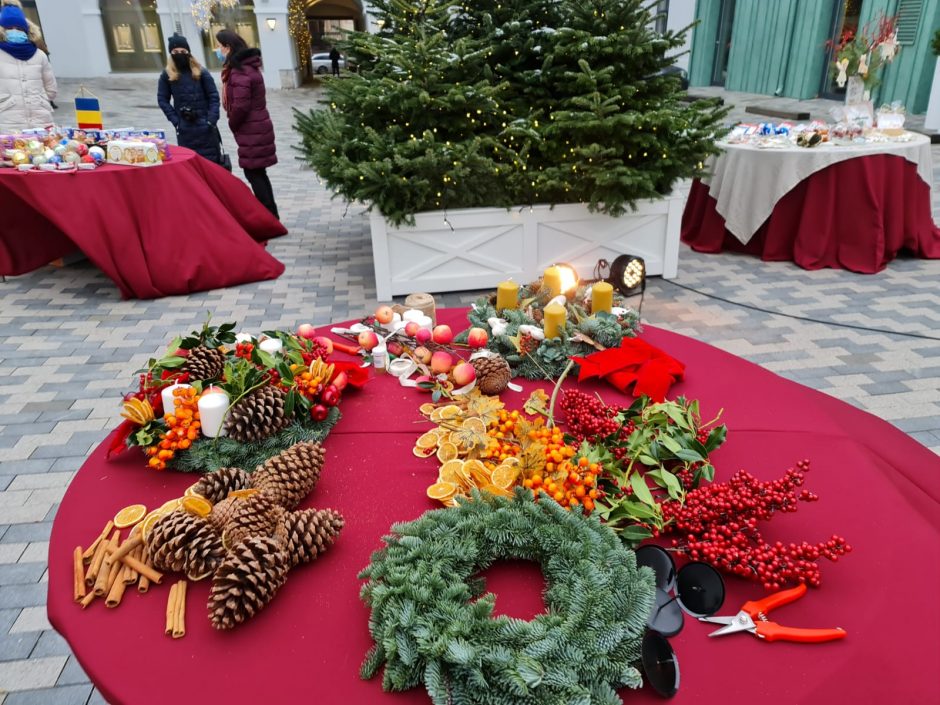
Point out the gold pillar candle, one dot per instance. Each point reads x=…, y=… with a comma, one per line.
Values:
x=553, y=321
x=507, y=295
x=551, y=280
x=602, y=297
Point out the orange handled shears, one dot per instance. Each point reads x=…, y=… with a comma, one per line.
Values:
x=753, y=618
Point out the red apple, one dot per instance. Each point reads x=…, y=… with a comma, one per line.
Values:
x=423, y=378
x=477, y=338
x=325, y=343
x=442, y=335
x=395, y=348
x=384, y=314
x=422, y=355
x=441, y=362
x=330, y=395
x=305, y=330
x=318, y=412
x=423, y=335
x=411, y=329
x=368, y=339
x=463, y=374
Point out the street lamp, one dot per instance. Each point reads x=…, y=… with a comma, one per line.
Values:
x=271, y=22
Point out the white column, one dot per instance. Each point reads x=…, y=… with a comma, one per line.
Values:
x=932, y=119
x=681, y=14
x=75, y=35
x=277, y=47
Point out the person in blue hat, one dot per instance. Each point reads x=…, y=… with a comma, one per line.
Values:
x=27, y=84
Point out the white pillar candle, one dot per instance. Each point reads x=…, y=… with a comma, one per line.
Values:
x=213, y=408
x=425, y=322
x=244, y=337
x=412, y=314
x=271, y=345
x=167, y=396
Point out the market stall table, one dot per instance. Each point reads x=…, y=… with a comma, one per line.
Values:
x=846, y=206
x=878, y=488
x=184, y=226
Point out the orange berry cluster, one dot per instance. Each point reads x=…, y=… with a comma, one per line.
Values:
x=182, y=428
x=308, y=384
x=502, y=443
x=573, y=485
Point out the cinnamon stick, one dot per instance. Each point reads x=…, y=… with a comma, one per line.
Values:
x=143, y=584
x=117, y=588
x=179, y=619
x=171, y=608
x=90, y=551
x=78, y=569
x=114, y=570
x=100, y=553
x=152, y=575
x=130, y=575
x=127, y=547
x=88, y=599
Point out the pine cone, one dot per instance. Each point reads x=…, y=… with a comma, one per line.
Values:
x=537, y=315
x=493, y=374
x=215, y=486
x=258, y=415
x=246, y=581
x=222, y=512
x=204, y=363
x=308, y=533
x=182, y=542
x=290, y=476
x=256, y=515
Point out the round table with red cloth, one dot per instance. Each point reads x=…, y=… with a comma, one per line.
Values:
x=877, y=487
x=183, y=226
x=856, y=214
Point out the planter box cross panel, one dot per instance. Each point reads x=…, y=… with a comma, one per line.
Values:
x=476, y=248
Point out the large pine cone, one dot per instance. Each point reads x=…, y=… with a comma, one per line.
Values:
x=215, y=486
x=258, y=415
x=256, y=515
x=493, y=374
x=222, y=512
x=246, y=581
x=182, y=542
x=290, y=476
x=204, y=363
x=308, y=533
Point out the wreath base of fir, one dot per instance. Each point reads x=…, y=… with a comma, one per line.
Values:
x=432, y=622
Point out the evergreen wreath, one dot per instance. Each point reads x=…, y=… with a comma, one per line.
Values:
x=432, y=622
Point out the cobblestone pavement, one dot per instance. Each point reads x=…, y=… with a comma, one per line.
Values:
x=69, y=346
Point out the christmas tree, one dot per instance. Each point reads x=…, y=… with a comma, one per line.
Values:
x=461, y=104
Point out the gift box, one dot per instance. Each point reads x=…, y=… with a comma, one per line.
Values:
x=133, y=153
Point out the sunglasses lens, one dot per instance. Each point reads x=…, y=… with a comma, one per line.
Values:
x=700, y=589
x=660, y=664
x=659, y=560
x=666, y=616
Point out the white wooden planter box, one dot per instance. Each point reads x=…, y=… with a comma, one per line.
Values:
x=489, y=245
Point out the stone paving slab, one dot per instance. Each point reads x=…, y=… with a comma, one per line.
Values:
x=69, y=347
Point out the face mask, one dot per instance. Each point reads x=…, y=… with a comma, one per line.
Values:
x=181, y=61
x=219, y=54
x=17, y=36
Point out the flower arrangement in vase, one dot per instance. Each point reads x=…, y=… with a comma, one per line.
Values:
x=860, y=56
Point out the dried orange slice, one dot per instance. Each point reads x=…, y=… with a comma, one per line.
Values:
x=475, y=424
x=170, y=506
x=423, y=452
x=197, y=506
x=427, y=408
x=147, y=524
x=447, y=451
x=450, y=471
x=427, y=440
x=478, y=471
x=505, y=476
x=129, y=516
x=442, y=490
x=450, y=412
x=498, y=491
x=191, y=491
x=239, y=494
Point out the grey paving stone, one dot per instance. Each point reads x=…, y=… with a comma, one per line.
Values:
x=21, y=573
x=62, y=695
x=96, y=698
x=15, y=647
x=50, y=644
x=29, y=675
x=72, y=674
x=22, y=595
x=26, y=533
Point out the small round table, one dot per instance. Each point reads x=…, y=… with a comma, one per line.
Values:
x=878, y=488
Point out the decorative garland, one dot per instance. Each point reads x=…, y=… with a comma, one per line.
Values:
x=517, y=333
x=433, y=623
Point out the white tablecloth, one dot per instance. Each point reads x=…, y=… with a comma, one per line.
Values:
x=747, y=182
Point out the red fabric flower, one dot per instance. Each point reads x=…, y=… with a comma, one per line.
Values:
x=119, y=439
x=651, y=371
x=356, y=374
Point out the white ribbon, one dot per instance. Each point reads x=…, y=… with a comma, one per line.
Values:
x=842, y=66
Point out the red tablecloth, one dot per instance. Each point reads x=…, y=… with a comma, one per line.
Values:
x=187, y=225
x=856, y=215
x=878, y=488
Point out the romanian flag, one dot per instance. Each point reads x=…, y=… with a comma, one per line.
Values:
x=88, y=113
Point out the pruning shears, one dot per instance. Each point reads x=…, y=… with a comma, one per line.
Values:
x=753, y=618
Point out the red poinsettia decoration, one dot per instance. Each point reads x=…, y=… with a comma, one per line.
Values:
x=650, y=370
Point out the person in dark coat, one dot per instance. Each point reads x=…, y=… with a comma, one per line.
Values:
x=244, y=100
x=334, y=59
x=194, y=110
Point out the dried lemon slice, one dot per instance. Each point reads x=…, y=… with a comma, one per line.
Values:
x=447, y=451
x=442, y=490
x=504, y=476
x=427, y=440
x=197, y=506
x=129, y=516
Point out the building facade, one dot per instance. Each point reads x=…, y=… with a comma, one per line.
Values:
x=779, y=47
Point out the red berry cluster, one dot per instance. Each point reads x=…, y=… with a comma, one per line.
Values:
x=588, y=418
x=718, y=524
x=244, y=350
x=315, y=350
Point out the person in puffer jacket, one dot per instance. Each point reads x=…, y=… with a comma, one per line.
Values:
x=243, y=98
x=27, y=84
x=194, y=110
